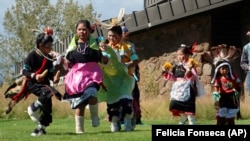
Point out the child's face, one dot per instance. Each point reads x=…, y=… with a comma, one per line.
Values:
x=224, y=70
x=82, y=32
x=181, y=56
x=113, y=38
x=125, y=36
x=46, y=48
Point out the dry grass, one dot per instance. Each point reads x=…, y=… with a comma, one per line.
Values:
x=60, y=109
x=153, y=108
x=157, y=108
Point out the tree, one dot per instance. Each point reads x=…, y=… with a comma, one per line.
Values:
x=26, y=15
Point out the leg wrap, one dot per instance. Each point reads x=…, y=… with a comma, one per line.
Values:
x=128, y=122
x=114, y=124
x=191, y=119
x=94, y=115
x=183, y=119
x=33, y=113
x=79, y=121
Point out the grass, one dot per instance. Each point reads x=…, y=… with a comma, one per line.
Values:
x=63, y=130
x=17, y=126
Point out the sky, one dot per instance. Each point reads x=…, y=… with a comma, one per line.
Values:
x=108, y=8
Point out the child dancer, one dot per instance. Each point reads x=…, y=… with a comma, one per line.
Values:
x=227, y=86
x=39, y=70
x=183, y=93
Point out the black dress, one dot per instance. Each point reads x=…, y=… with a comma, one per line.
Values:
x=188, y=106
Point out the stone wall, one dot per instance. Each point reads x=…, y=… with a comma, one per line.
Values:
x=158, y=45
x=155, y=46
x=152, y=83
x=156, y=41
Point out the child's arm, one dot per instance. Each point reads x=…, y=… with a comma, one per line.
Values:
x=168, y=75
x=167, y=70
x=27, y=67
x=216, y=92
x=190, y=73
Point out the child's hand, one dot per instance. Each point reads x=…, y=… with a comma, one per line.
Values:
x=56, y=77
x=163, y=72
x=216, y=96
x=190, y=65
x=167, y=66
x=102, y=46
x=39, y=77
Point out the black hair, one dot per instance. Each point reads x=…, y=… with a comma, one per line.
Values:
x=116, y=29
x=43, y=38
x=186, y=49
x=87, y=24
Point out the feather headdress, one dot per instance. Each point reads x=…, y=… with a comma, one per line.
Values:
x=113, y=21
x=223, y=55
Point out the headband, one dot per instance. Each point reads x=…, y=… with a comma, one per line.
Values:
x=222, y=64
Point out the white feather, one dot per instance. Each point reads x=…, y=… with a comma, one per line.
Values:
x=98, y=22
x=120, y=15
x=117, y=22
x=125, y=20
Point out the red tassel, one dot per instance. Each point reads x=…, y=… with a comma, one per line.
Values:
x=194, y=47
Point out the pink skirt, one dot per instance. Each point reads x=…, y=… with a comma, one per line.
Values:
x=81, y=75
